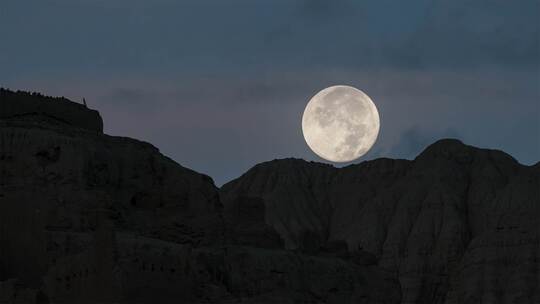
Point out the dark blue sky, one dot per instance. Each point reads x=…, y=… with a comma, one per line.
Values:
x=221, y=85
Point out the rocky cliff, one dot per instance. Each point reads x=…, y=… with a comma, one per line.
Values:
x=456, y=225
x=91, y=218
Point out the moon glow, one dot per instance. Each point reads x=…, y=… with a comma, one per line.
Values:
x=340, y=123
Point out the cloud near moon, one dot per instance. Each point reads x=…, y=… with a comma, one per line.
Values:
x=340, y=123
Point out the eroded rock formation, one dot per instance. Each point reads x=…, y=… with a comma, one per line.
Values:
x=91, y=218
x=456, y=225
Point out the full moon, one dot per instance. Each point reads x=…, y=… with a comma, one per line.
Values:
x=340, y=123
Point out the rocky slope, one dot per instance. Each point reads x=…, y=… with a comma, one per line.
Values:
x=456, y=225
x=91, y=218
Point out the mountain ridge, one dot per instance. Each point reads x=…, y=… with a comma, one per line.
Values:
x=88, y=217
x=442, y=141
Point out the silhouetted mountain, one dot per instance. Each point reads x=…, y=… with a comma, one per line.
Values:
x=91, y=218
x=456, y=225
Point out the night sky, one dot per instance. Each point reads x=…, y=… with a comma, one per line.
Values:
x=220, y=86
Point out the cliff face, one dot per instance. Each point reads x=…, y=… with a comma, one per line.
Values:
x=53, y=186
x=456, y=225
